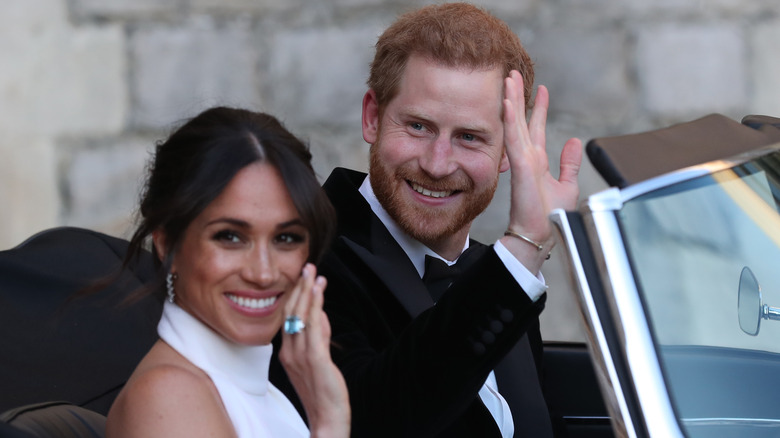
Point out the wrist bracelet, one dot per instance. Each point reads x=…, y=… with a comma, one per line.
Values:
x=538, y=246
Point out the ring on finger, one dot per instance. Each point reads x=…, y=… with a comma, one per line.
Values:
x=293, y=325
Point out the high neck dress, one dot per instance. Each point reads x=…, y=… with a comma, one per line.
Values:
x=240, y=373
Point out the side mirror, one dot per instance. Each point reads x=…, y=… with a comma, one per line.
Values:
x=750, y=306
x=749, y=302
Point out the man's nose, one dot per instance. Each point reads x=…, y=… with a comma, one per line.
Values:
x=437, y=160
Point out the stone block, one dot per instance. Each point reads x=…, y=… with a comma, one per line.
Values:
x=179, y=70
x=693, y=8
x=122, y=9
x=690, y=69
x=38, y=14
x=577, y=14
x=585, y=70
x=102, y=180
x=319, y=75
x=28, y=187
x=332, y=148
x=765, y=69
x=242, y=6
x=56, y=79
x=508, y=10
x=86, y=93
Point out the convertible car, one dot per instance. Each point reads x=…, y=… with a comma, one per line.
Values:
x=674, y=266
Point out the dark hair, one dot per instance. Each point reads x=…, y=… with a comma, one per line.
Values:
x=195, y=164
x=456, y=35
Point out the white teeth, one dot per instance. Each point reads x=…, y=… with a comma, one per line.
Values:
x=252, y=303
x=420, y=189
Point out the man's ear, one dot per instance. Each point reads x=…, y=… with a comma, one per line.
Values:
x=503, y=165
x=158, y=240
x=370, y=117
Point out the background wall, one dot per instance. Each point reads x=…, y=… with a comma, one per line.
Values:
x=88, y=86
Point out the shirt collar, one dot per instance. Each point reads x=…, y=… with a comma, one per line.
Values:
x=414, y=249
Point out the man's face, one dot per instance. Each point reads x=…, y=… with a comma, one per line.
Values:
x=438, y=149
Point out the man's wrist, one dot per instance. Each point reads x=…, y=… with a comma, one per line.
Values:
x=537, y=245
x=532, y=282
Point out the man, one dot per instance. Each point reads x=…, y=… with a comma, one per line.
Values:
x=444, y=116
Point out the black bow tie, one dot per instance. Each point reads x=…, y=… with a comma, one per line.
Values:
x=439, y=275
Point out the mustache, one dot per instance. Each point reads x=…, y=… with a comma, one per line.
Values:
x=455, y=182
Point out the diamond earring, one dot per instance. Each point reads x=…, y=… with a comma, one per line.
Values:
x=169, y=279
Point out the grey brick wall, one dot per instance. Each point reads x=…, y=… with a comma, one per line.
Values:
x=88, y=86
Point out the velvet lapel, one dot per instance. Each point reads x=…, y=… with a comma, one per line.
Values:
x=363, y=233
x=402, y=281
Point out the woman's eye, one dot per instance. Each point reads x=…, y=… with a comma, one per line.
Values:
x=227, y=236
x=289, y=238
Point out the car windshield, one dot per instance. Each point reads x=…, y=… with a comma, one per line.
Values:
x=689, y=244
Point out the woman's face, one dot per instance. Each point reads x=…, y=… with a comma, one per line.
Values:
x=240, y=258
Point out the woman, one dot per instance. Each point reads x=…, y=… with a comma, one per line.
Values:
x=236, y=218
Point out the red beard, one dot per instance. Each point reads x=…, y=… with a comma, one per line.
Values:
x=427, y=224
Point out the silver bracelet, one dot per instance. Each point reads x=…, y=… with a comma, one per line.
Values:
x=538, y=246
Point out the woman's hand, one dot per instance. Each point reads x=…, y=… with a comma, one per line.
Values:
x=306, y=358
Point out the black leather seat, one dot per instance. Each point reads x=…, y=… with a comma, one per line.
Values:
x=53, y=420
x=55, y=347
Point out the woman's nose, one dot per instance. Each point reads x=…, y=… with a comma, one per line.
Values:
x=261, y=267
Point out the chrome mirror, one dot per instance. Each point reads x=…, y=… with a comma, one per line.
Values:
x=750, y=306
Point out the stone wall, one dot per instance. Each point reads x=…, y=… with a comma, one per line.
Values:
x=88, y=86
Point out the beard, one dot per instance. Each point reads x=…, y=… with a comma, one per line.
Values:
x=427, y=224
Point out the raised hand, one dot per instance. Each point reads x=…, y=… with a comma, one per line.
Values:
x=306, y=358
x=535, y=192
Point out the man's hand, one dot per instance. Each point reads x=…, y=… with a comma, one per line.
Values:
x=535, y=192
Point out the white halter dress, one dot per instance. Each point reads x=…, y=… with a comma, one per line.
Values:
x=240, y=373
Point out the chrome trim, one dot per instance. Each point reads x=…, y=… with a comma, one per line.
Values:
x=688, y=173
x=758, y=422
x=607, y=200
x=636, y=341
x=601, y=356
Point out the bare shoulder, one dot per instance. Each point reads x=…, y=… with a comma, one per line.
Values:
x=168, y=398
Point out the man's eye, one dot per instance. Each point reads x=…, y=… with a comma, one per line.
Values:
x=227, y=236
x=417, y=126
x=468, y=137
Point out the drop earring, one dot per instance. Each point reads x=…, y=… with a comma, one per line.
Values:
x=169, y=279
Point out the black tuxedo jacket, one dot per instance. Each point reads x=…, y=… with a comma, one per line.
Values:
x=412, y=368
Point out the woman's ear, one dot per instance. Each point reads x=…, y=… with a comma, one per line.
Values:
x=160, y=247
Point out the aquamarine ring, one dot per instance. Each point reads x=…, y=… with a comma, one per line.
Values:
x=293, y=325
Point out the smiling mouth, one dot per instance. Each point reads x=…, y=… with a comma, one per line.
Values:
x=253, y=303
x=433, y=194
